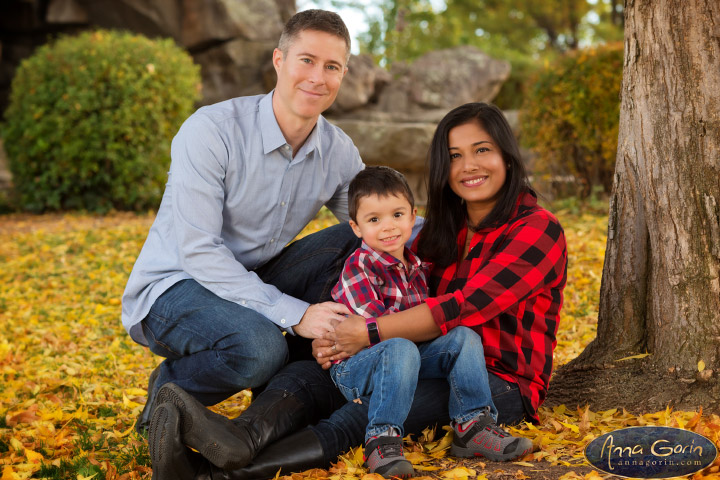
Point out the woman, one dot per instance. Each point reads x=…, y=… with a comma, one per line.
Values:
x=499, y=267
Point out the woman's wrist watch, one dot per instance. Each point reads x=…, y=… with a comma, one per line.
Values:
x=373, y=332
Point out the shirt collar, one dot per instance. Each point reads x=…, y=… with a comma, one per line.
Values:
x=389, y=261
x=272, y=136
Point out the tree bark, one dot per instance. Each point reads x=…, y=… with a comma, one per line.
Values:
x=660, y=290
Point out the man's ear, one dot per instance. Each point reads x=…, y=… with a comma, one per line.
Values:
x=355, y=229
x=277, y=59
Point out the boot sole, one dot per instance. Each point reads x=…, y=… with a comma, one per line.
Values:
x=218, y=445
x=158, y=438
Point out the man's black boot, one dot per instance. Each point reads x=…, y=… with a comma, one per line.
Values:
x=272, y=415
x=171, y=460
x=296, y=453
x=143, y=420
x=233, y=444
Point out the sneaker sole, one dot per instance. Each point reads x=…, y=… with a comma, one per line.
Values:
x=399, y=469
x=457, y=451
x=196, y=431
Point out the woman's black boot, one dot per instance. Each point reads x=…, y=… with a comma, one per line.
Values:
x=295, y=453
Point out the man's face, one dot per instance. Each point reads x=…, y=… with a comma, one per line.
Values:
x=309, y=75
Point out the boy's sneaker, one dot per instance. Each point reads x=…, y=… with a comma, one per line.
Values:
x=384, y=456
x=483, y=438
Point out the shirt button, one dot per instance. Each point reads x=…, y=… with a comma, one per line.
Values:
x=243, y=302
x=272, y=240
x=282, y=320
x=282, y=204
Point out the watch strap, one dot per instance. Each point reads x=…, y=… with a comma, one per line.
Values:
x=373, y=332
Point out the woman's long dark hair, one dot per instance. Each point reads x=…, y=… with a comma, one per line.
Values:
x=445, y=212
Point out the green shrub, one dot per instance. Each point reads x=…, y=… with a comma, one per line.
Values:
x=91, y=118
x=571, y=113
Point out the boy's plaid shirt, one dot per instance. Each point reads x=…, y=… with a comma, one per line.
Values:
x=375, y=283
x=509, y=289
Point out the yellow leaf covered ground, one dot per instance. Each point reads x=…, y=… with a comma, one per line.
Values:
x=73, y=382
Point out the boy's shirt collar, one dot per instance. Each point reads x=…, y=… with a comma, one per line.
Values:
x=388, y=261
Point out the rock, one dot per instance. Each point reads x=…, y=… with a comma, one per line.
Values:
x=444, y=79
x=206, y=22
x=361, y=85
x=66, y=11
x=402, y=146
x=159, y=18
x=234, y=68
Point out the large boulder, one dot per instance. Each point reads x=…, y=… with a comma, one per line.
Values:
x=361, y=85
x=444, y=79
x=232, y=40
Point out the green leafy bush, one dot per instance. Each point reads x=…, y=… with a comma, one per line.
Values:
x=91, y=118
x=571, y=113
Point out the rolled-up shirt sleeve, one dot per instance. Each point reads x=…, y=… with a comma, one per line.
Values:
x=530, y=258
x=197, y=177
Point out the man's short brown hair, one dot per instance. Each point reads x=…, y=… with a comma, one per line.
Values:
x=314, y=19
x=380, y=181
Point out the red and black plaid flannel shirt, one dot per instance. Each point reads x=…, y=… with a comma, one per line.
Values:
x=375, y=283
x=509, y=289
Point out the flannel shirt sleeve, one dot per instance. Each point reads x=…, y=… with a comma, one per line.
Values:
x=357, y=287
x=531, y=257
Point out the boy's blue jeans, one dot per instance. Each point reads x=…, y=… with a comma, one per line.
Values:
x=389, y=371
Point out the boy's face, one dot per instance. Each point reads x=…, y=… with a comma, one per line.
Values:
x=385, y=223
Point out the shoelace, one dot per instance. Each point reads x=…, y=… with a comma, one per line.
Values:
x=390, y=450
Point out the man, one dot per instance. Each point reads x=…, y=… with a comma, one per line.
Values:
x=213, y=289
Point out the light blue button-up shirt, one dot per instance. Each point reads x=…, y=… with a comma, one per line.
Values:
x=235, y=197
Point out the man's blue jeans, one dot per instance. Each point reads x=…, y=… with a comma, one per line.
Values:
x=389, y=371
x=214, y=348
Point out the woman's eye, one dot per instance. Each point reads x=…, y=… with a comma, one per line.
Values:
x=453, y=156
x=482, y=150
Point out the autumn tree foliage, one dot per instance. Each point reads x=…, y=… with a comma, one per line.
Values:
x=658, y=333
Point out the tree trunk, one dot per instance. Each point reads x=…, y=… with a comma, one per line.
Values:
x=660, y=289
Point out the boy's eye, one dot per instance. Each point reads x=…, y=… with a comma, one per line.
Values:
x=398, y=214
x=373, y=220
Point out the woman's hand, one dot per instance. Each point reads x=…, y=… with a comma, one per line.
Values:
x=350, y=336
x=326, y=351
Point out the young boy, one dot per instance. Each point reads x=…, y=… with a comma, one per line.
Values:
x=384, y=276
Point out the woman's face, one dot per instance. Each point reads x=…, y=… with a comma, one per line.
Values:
x=477, y=169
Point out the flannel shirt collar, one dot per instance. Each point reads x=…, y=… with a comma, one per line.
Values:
x=389, y=262
x=526, y=200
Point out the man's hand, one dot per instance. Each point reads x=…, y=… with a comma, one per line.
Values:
x=319, y=319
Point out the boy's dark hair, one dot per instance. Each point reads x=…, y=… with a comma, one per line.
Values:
x=314, y=19
x=380, y=181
